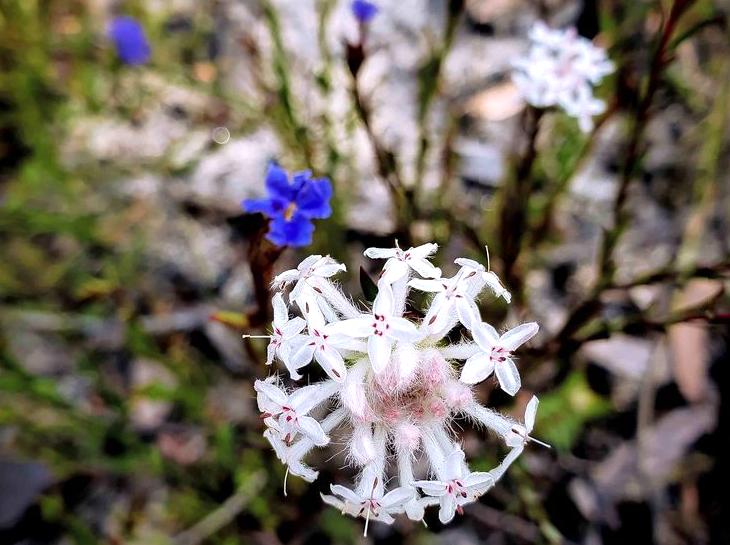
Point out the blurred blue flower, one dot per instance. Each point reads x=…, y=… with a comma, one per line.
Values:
x=364, y=10
x=129, y=40
x=292, y=206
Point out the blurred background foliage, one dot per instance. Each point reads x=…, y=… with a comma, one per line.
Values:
x=126, y=407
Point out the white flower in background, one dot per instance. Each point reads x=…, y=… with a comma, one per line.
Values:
x=560, y=69
x=495, y=354
x=393, y=391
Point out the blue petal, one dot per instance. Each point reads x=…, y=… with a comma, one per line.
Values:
x=300, y=179
x=364, y=10
x=277, y=183
x=129, y=40
x=295, y=232
x=313, y=201
x=268, y=207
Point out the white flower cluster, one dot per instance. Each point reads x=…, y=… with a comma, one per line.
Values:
x=560, y=69
x=393, y=389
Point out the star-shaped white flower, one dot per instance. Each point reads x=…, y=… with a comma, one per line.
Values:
x=519, y=435
x=458, y=487
x=381, y=328
x=290, y=457
x=496, y=355
x=399, y=261
x=285, y=336
x=452, y=298
x=371, y=505
x=313, y=267
x=492, y=280
x=323, y=342
x=287, y=414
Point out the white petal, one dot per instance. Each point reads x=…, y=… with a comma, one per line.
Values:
x=431, y=286
x=354, y=327
x=287, y=277
x=307, y=303
x=448, y=508
x=270, y=391
x=380, y=253
x=311, y=428
x=379, y=350
x=479, y=482
x=467, y=311
x=453, y=464
x=281, y=313
x=469, y=264
x=424, y=268
x=329, y=270
x=432, y=488
x=270, y=353
x=485, y=336
x=508, y=376
x=476, y=369
x=308, y=262
x=302, y=356
x=293, y=327
x=403, y=330
x=277, y=444
x=496, y=286
x=415, y=509
x=394, y=270
x=383, y=517
x=424, y=250
x=530, y=412
x=337, y=503
x=383, y=304
x=296, y=467
x=438, y=314
x=302, y=293
x=397, y=497
x=332, y=363
x=346, y=494
x=518, y=335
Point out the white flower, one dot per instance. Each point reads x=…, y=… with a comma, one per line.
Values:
x=560, y=69
x=393, y=392
x=452, y=297
x=496, y=355
x=305, y=275
x=489, y=278
x=287, y=414
x=373, y=505
x=457, y=486
x=519, y=434
x=323, y=344
x=290, y=457
x=285, y=334
x=381, y=329
x=399, y=261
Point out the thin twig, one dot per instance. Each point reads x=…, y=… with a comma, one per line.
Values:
x=224, y=514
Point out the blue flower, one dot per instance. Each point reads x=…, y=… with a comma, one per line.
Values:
x=130, y=40
x=292, y=206
x=364, y=10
